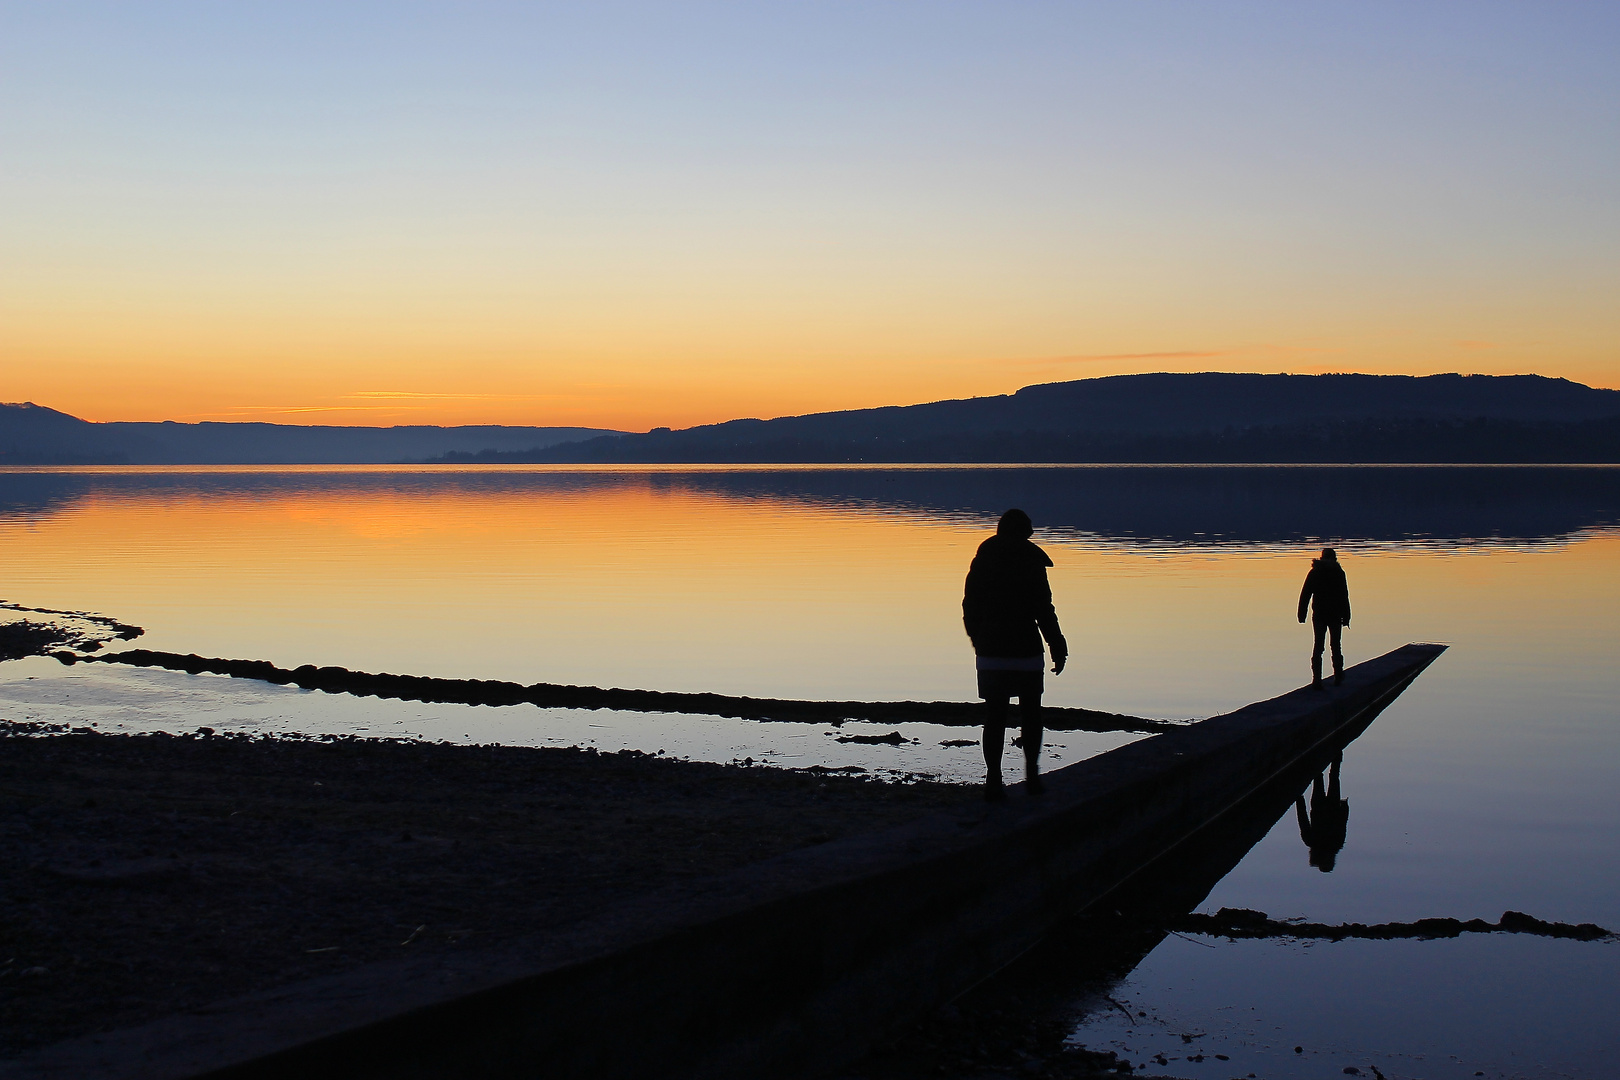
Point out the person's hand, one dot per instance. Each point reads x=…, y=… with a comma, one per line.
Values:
x=1302, y=620
x=1058, y=660
x=1347, y=620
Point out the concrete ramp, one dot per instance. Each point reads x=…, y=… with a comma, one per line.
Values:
x=786, y=968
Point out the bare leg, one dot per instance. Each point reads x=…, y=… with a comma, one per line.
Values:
x=1319, y=628
x=1029, y=708
x=995, y=738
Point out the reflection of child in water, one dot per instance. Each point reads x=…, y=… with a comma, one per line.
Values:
x=1323, y=827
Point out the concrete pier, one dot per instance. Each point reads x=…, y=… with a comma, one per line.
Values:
x=785, y=968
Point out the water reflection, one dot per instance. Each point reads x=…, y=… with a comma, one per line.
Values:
x=830, y=584
x=1324, y=824
x=1227, y=504
x=1492, y=789
x=1035, y=1005
x=1180, y=504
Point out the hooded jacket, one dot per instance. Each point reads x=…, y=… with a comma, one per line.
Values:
x=1007, y=602
x=1326, y=583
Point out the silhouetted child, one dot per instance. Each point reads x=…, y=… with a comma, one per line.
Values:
x=1007, y=609
x=1330, y=611
x=1324, y=828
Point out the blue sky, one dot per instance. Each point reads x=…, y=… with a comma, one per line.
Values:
x=638, y=214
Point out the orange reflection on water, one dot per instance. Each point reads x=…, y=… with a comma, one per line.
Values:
x=649, y=580
x=629, y=581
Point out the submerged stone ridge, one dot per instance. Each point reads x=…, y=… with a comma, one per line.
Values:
x=338, y=680
x=31, y=637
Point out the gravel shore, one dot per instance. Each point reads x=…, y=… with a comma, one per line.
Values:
x=146, y=874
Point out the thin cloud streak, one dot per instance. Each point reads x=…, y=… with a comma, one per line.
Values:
x=406, y=395
x=1264, y=349
x=1141, y=356
x=1084, y=358
x=247, y=410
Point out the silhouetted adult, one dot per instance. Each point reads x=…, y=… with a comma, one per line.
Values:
x=1327, y=595
x=1007, y=609
x=1323, y=829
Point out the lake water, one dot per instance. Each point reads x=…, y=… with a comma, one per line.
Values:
x=1490, y=785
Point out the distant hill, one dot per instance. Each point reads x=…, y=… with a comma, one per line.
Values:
x=34, y=435
x=1208, y=417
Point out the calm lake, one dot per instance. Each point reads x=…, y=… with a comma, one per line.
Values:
x=1492, y=784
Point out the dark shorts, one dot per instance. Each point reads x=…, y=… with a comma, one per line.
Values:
x=1010, y=684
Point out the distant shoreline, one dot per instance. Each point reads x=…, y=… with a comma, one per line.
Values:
x=1165, y=418
x=673, y=467
x=1370, y=442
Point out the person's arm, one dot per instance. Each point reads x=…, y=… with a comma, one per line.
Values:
x=1046, y=618
x=972, y=605
x=1054, y=640
x=1305, y=596
x=1347, y=603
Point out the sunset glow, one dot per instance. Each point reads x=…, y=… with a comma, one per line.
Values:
x=636, y=215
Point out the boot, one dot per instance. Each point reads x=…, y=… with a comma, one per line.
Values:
x=1316, y=673
x=1032, y=777
x=1338, y=671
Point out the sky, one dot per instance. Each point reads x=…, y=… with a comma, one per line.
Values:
x=627, y=215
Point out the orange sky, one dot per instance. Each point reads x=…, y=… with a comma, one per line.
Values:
x=429, y=214
x=374, y=374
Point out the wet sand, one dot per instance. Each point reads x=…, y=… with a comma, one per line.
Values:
x=146, y=874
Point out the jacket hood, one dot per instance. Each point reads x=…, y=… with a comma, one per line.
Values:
x=1000, y=546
